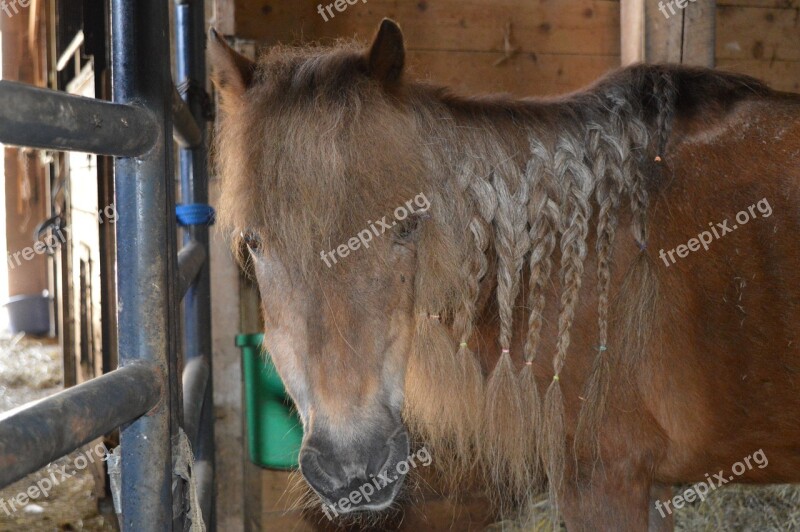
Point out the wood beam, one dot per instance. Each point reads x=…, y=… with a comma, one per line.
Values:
x=668, y=31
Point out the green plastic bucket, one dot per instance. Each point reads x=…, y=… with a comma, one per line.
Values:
x=274, y=431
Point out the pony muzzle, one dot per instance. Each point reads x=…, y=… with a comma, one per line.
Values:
x=359, y=479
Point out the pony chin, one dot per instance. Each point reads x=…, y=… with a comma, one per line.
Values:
x=315, y=509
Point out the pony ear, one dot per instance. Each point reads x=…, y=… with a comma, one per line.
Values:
x=387, y=54
x=232, y=72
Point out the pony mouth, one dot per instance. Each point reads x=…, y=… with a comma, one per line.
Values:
x=363, y=495
x=387, y=497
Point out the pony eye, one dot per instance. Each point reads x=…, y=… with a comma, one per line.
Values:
x=408, y=229
x=403, y=232
x=251, y=240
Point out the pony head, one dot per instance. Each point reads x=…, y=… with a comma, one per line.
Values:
x=327, y=194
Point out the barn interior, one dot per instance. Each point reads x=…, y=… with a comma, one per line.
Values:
x=60, y=319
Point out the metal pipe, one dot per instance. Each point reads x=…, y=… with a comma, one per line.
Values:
x=147, y=262
x=185, y=132
x=195, y=380
x=190, y=71
x=191, y=259
x=35, y=434
x=204, y=479
x=44, y=118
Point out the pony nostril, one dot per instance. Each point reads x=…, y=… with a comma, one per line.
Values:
x=318, y=458
x=333, y=469
x=378, y=461
x=318, y=476
x=393, y=451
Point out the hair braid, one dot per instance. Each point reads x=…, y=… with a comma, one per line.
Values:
x=579, y=182
x=504, y=407
x=607, y=170
x=665, y=93
x=543, y=216
x=468, y=366
x=512, y=245
x=638, y=291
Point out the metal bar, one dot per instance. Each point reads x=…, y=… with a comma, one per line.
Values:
x=185, y=132
x=195, y=380
x=204, y=477
x=35, y=434
x=44, y=118
x=190, y=261
x=146, y=261
x=190, y=69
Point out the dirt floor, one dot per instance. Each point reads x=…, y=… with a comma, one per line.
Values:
x=31, y=369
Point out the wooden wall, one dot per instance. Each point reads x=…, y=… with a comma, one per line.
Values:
x=518, y=46
x=525, y=47
x=761, y=38
x=26, y=190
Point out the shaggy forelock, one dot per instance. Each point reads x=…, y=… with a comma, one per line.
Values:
x=315, y=153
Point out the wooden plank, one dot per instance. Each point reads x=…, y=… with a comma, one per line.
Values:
x=575, y=27
x=677, y=31
x=254, y=500
x=756, y=33
x=780, y=75
x=228, y=404
x=793, y=4
x=224, y=16
x=656, y=37
x=524, y=74
x=24, y=206
x=631, y=32
x=527, y=74
x=275, y=21
x=699, y=33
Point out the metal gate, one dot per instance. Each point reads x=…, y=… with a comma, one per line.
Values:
x=163, y=382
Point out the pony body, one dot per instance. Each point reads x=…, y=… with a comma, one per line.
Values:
x=526, y=329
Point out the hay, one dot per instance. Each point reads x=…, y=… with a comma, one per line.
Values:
x=71, y=505
x=27, y=366
x=742, y=507
x=30, y=368
x=734, y=508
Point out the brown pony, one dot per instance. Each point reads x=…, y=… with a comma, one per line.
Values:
x=581, y=304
